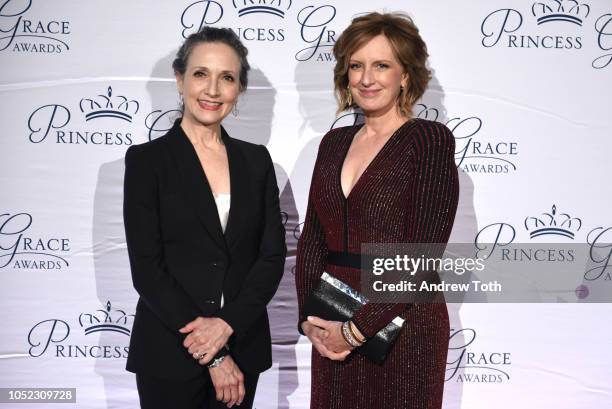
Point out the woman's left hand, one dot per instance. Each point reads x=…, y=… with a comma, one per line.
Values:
x=206, y=336
x=334, y=341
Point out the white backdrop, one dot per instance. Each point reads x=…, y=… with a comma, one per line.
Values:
x=524, y=86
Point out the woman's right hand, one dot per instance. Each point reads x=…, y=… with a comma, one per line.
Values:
x=228, y=381
x=316, y=335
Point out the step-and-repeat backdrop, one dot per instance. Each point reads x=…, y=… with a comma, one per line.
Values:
x=525, y=86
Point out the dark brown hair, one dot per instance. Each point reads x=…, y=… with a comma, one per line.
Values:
x=408, y=47
x=214, y=35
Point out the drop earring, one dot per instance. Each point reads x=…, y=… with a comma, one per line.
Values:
x=349, y=96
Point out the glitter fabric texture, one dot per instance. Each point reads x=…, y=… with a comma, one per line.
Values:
x=408, y=194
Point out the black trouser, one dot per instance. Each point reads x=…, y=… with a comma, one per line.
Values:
x=197, y=393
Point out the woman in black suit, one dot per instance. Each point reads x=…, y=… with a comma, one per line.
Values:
x=205, y=241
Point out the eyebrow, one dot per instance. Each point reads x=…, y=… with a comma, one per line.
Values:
x=377, y=61
x=201, y=67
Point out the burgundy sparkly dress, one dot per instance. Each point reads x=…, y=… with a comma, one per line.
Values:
x=408, y=194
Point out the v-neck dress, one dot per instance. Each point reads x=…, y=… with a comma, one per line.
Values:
x=407, y=194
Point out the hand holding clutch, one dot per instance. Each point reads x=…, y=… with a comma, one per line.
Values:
x=334, y=341
x=321, y=334
x=336, y=301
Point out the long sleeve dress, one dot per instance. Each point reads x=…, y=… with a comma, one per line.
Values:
x=407, y=194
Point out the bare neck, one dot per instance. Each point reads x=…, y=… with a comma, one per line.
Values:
x=208, y=136
x=383, y=124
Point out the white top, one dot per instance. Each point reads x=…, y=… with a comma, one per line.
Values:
x=222, y=201
x=223, y=206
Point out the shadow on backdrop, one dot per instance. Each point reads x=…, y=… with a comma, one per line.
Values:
x=464, y=230
x=111, y=263
x=254, y=124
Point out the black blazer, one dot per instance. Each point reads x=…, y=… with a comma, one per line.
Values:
x=181, y=260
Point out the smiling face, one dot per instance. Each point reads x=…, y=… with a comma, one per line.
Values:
x=375, y=77
x=210, y=85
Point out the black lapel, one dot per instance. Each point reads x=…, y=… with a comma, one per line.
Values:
x=194, y=184
x=239, y=190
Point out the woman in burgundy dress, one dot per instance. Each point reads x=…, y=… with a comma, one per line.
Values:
x=392, y=180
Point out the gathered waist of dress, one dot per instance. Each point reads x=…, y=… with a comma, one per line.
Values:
x=349, y=260
x=349, y=267
x=344, y=259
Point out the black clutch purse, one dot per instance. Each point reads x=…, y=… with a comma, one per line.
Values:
x=334, y=300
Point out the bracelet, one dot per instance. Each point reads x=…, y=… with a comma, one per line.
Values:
x=348, y=335
x=217, y=359
x=352, y=327
x=216, y=362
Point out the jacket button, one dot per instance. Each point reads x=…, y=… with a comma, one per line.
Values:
x=209, y=301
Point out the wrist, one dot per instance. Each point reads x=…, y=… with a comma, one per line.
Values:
x=356, y=333
x=219, y=358
x=216, y=362
x=348, y=336
x=227, y=329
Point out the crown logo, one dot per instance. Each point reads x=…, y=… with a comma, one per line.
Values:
x=103, y=320
x=553, y=223
x=263, y=7
x=109, y=106
x=569, y=11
